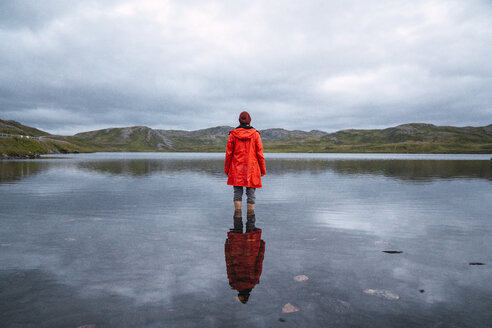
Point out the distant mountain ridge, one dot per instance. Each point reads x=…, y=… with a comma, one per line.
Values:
x=406, y=138
x=169, y=138
x=409, y=135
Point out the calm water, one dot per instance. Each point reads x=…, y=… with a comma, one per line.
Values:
x=138, y=240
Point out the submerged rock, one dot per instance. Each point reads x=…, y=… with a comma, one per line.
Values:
x=301, y=278
x=289, y=308
x=382, y=293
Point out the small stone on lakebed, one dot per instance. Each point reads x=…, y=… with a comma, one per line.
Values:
x=301, y=278
x=289, y=308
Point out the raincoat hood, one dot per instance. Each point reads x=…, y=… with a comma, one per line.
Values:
x=243, y=134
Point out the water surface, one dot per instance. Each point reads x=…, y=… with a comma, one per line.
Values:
x=138, y=240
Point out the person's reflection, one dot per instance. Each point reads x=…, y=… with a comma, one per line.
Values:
x=244, y=254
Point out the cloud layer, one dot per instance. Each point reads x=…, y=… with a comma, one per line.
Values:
x=325, y=65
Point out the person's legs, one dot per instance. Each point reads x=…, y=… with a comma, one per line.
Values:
x=250, y=193
x=238, y=198
x=238, y=220
x=251, y=218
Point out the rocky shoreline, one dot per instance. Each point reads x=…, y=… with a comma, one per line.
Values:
x=25, y=156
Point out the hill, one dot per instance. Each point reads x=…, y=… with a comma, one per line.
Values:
x=416, y=138
x=142, y=138
x=405, y=138
x=13, y=127
x=412, y=138
x=21, y=141
x=139, y=138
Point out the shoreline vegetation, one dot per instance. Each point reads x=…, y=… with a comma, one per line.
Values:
x=18, y=141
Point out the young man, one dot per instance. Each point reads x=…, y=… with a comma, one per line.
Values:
x=245, y=165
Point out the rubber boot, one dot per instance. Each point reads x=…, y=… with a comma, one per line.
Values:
x=250, y=222
x=238, y=222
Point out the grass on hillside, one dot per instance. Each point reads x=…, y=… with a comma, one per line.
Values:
x=403, y=147
x=142, y=139
x=16, y=146
x=13, y=127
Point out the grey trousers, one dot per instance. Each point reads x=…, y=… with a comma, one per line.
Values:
x=250, y=193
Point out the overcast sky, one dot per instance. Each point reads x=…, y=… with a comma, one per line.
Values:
x=72, y=66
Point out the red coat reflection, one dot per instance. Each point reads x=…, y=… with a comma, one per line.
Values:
x=244, y=254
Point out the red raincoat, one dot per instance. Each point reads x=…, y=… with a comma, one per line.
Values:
x=244, y=162
x=244, y=254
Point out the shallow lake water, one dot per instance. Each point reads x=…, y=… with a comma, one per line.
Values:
x=348, y=240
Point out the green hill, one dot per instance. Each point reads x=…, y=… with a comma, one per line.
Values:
x=17, y=140
x=141, y=138
x=13, y=127
x=406, y=138
x=415, y=138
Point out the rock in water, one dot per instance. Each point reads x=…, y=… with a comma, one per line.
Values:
x=301, y=278
x=289, y=308
x=382, y=293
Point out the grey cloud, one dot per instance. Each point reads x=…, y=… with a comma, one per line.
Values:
x=32, y=14
x=306, y=65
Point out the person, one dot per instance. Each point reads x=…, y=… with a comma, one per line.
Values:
x=244, y=165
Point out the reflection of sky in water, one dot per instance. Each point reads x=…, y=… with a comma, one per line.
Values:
x=146, y=234
x=153, y=230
